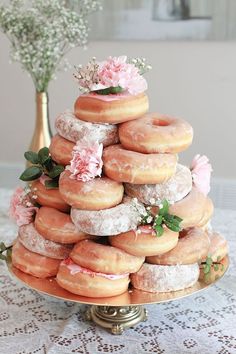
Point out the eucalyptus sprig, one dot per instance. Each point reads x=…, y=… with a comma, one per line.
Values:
x=42, y=163
x=209, y=264
x=5, y=252
x=162, y=218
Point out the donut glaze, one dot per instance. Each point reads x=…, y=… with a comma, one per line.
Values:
x=144, y=242
x=156, y=133
x=158, y=278
x=34, y=242
x=33, y=263
x=112, y=221
x=218, y=246
x=101, y=109
x=48, y=197
x=173, y=190
x=104, y=259
x=99, y=193
x=61, y=150
x=192, y=248
x=74, y=129
x=57, y=226
x=82, y=281
x=133, y=167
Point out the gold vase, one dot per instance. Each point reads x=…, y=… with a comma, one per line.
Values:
x=42, y=132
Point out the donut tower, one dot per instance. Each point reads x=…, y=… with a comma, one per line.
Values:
x=109, y=205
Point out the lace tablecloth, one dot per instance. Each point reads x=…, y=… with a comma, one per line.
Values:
x=202, y=323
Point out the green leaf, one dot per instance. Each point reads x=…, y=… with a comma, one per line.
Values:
x=2, y=257
x=216, y=267
x=31, y=173
x=53, y=184
x=43, y=154
x=56, y=171
x=109, y=90
x=31, y=156
x=209, y=260
x=206, y=268
x=158, y=220
x=159, y=230
x=172, y=227
x=165, y=208
x=48, y=164
x=2, y=247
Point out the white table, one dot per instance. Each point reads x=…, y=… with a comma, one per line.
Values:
x=203, y=323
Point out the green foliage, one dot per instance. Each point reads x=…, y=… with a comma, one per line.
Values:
x=5, y=252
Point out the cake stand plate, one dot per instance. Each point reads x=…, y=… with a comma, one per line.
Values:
x=118, y=312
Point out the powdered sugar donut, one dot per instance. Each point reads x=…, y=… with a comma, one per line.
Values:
x=175, y=189
x=85, y=282
x=33, y=263
x=133, y=167
x=192, y=248
x=104, y=258
x=72, y=128
x=112, y=221
x=61, y=150
x=156, y=133
x=158, y=278
x=34, y=242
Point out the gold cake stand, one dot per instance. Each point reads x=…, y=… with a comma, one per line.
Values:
x=118, y=312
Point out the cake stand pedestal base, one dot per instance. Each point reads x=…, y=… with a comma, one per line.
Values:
x=116, y=318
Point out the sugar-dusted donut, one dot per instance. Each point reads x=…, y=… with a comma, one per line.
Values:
x=61, y=150
x=112, y=221
x=218, y=246
x=104, y=258
x=85, y=282
x=133, y=167
x=33, y=263
x=57, y=226
x=175, y=189
x=192, y=248
x=158, y=278
x=113, y=109
x=34, y=242
x=96, y=194
x=144, y=242
x=156, y=133
x=48, y=197
x=74, y=129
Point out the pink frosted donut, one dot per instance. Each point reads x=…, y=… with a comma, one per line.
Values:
x=156, y=133
x=72, y=128
x=34, y=242
x=175, y=189
x=61, y=150
x=133, y=167
x=218, y=246
x=112, y=221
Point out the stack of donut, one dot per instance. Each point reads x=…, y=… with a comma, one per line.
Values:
x=88, y=234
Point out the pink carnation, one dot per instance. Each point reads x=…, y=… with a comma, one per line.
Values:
x=201, y=173
x=21, y=208
x=86, y=161
x=116, y=72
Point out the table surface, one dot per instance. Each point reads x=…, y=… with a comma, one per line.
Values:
x=31, y=323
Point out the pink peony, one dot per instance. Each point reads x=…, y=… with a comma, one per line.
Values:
x=86, y=161
x=21, y=208
x=116, y=72
x=201, y=173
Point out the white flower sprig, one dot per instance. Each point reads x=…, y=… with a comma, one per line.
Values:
x=41, y=32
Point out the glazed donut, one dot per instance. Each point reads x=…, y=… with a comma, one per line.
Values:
x=96, y=194
x=85, y=282
x=33, y=263
x=192, y=248
x=104, y=259
x=175, y=189
x=61, y=150
x=48, y=197
x=218, y=246
x=207, y=214
x=57, y=226
x=133, y=167
x=144, y=242
x=156, y=133
x=34, y=242
x=110, y=108
x=74, y=129
x=112, y=221
x=158, y=278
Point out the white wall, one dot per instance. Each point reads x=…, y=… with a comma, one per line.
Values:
x=193, y=80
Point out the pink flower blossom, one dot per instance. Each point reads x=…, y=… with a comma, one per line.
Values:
x=201, y=173
x=86, y=161
x=21, y=208
x=116, y=72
